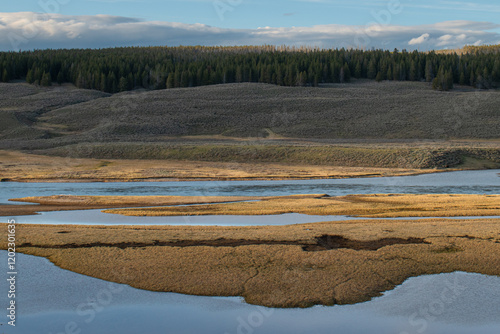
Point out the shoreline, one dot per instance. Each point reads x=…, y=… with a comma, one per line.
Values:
x=367, y=205
x=194, y=178
x=23, y=167
x=53, y=203
x=282, y=266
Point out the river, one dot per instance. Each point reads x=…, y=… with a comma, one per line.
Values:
x=52, y=300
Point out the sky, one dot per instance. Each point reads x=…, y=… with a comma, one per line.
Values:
x=385, y=24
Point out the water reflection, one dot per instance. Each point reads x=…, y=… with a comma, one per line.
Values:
x=51, y=298
x=97, y=217
x=464, y=182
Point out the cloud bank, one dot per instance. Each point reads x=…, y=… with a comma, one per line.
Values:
x=27, y=31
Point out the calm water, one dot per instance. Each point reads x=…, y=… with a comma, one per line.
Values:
x=470, y=182
x=51, y=300
x=465, y=182
x=97, y=217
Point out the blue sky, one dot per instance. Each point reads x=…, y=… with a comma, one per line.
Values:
x=400, y=23
x=275, y=13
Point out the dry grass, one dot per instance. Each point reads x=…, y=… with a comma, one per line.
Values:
x=17, y=166
x=104, y=201
x=380, y=205
x=385, y=205
x=280, y=275
x=294, y=152
x=69, y=202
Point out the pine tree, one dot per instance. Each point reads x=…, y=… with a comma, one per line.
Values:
x=396, y=72
x=123, y=85
x=301, y=79
x=448, y=80
x=170, y=81
x=443, y=81
x=413, y=72
x=429, y=75
x=462, y=78
x=29, y=77
x=60, y=77
x=372, y=69
x=130, y=81
x=342, y=75
x=347, y=73
x=193, y=66
x=358, y=70
x=239, y=74
x=5, y=76
x=472, y=79
x=46, y=80
x=480, y=82
x=279, y=76
x=436, y=82
x=389, y=74
x=184, y=79
x=486, y=78
x=113, y=83
x=104, y=83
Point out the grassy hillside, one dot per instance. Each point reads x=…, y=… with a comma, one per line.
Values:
x=367, y=155
x=21, y=105
x=247, y=122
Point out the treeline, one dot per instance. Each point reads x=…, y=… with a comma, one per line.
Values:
x=121, y=69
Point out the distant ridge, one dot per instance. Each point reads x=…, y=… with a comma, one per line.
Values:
x=472, y=49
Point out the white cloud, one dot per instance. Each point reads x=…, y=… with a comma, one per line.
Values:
x=445, y=38
x=450, y=40
x=26, y=30
x=419, y=40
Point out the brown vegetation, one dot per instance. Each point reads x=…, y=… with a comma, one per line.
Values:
x=22, y=167
x=357, y=260
x=69, y=202
x=382, y=205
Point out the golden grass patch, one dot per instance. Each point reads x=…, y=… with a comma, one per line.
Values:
x=382, y=205
x=23, y=167
x=276, y=275
x=70, y=202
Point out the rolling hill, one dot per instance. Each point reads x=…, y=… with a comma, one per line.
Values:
x=218, y=122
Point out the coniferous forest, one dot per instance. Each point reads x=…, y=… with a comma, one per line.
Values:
x=121, y=69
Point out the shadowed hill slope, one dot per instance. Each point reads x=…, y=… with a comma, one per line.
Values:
x=390, y=110
x=216, y=123
x=365, y=110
